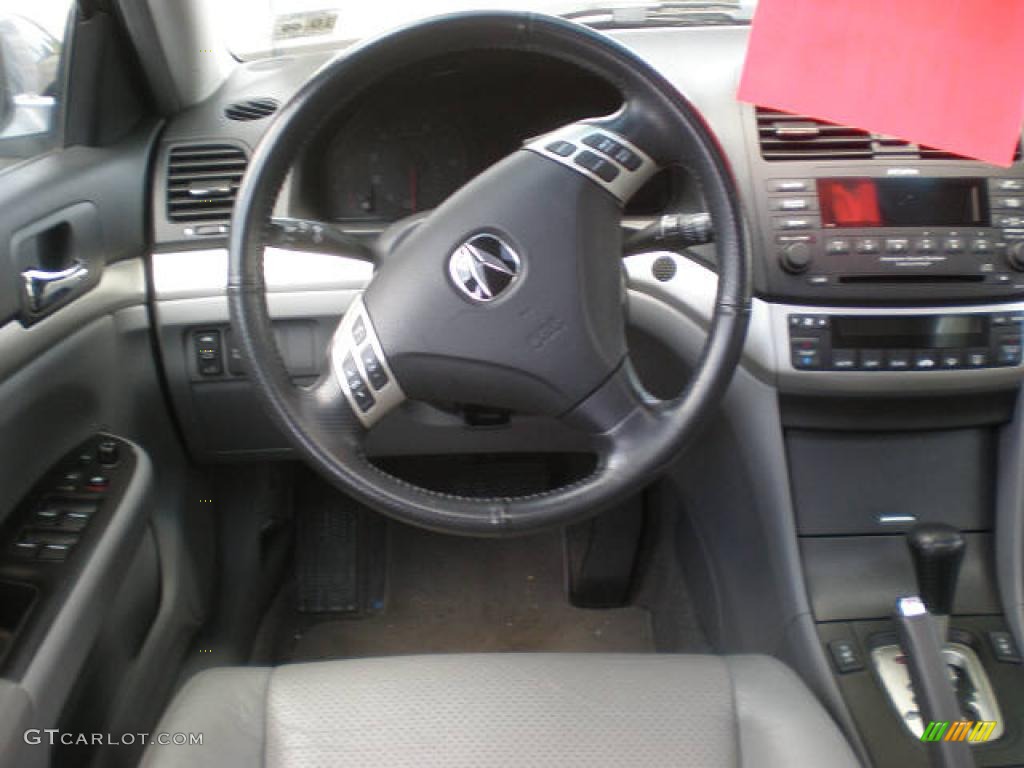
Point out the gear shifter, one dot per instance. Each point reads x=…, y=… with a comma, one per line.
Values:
x=928, y=676
x=938, y=551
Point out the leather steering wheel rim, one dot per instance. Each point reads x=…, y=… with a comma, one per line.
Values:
x=634, y=437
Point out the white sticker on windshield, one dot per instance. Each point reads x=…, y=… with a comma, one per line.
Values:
x=309, y=24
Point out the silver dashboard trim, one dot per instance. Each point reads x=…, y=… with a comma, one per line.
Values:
x=194, y=274
x=190, y=287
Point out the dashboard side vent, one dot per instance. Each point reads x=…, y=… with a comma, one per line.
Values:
x=203, y=180
x=785, y=136
x=251, y=109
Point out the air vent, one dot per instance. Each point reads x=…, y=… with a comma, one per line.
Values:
x=251, y=109
x=794, y=137
x=202, y=181
x=785, y=136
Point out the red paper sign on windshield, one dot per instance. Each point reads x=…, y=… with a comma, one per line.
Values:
x=943, y=73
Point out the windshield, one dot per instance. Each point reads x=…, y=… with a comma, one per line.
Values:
x=259, y=28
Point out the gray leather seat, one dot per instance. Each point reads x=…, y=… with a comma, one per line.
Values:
x=504, y=710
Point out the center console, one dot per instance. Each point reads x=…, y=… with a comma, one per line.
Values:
x=889, y=284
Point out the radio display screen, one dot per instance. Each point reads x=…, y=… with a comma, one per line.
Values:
x=868, y=202
x=910, y=332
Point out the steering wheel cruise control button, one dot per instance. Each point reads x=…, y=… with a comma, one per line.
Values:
x=359, y=331
x=608, y=146
x=359, y=364
x=615, y=163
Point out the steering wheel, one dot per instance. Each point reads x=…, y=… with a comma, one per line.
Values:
x=510, y=294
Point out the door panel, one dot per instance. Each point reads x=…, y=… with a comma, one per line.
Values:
x=82, y=366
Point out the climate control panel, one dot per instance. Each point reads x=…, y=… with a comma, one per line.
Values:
x=925, y=342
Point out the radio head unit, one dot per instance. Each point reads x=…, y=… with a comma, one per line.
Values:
x=838, y=234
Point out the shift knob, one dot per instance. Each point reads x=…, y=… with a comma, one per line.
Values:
x=937, y=550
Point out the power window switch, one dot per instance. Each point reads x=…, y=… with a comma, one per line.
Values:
x=25, y=550
x=46, y=517
x=845, y=656
x=1003, y=647
x=54, y=552
x=108, y=453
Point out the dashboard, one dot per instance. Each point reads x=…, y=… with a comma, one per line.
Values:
x=838, y=229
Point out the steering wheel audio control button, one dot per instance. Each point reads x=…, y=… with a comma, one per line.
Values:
x=607, y=146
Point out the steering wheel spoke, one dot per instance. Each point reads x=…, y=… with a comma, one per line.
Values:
x=620, y=400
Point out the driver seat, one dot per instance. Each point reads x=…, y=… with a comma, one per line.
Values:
x=462, y=711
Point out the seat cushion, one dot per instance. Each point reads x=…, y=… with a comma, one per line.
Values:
x=504, y=710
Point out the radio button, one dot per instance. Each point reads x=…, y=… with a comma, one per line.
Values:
x=898, y=360
x=794, y=204
x=805, y=353
x=1008, y=203
x=867, y=245
x=871, y=359
x=954, y=245
x=951, y=358
x=897, y=245
x=925, y=245
x=926, y=359
x=838, y=246
x=977, y=358
x=981, y=245
x=789, y=185
x=844, y=359
x=791, y=224
x=1009, y=354
x=1008, y=221
x=1010, y=185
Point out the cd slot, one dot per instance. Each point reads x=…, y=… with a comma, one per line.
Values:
x=909, y=279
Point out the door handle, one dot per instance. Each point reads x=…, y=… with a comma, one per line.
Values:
x=43, y=289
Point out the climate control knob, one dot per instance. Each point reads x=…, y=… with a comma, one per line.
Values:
x=1015, y=255
x=796, y=257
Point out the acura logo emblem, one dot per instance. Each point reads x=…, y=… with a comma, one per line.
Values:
x=484, y=267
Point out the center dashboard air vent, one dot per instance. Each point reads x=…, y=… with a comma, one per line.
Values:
x=784, y=136
x=203, y=180
x=251, y=109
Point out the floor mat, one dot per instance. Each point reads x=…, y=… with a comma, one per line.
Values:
x=453, y=595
